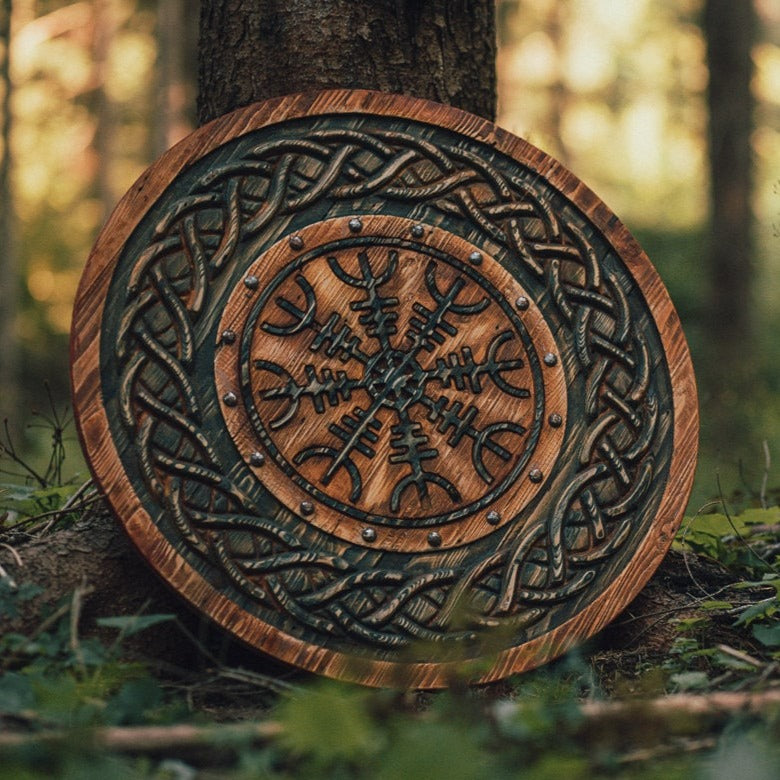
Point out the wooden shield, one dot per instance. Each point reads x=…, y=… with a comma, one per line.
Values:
x=383, y=390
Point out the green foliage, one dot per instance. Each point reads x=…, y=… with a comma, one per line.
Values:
x=329, y=725
x=759, y=611
x=334, y=730
x=747, y=545
x=435, y=748
x=12, y=597
x=32, y=500
x=690, y=681
x=53, y=678
x=38, y=493
x=723, y=538
x=74, y=761
x=768, y=635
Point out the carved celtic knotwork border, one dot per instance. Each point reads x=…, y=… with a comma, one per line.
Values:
x=254, y=191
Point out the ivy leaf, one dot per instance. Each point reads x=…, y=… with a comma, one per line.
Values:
x=689, y=681
x=133, y=702
x=769, y=636
x=759, y=611
x=715, y=605
x=16, y=693
x=11, y=598
x=133, y=624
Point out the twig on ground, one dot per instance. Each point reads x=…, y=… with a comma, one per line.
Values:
x=17, y=558
x=87, y=487
x=741, y=656
x=715, y=705
x=700, y=711
x=253, y=678
x=74, y=608
x=667, y=751
x=54, y=513
x=76, y=601
x=6, y=577
x=156, y=739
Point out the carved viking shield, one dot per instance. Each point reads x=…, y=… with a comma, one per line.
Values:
x=383, y=390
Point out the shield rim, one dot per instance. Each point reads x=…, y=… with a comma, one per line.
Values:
x=103, y=459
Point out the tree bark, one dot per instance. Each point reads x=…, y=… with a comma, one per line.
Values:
x=443, y=50
x=730, y=29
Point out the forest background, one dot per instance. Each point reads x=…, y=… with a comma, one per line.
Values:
x=92, y=92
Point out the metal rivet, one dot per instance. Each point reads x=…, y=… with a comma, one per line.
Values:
x=368, y=534
x=296, y=242
x=251, y=282
x=550, y=359
x=418, y=231
x=228, y=336
x=522, y=303
x=257, y=459
x=475, y=258
x=355, y=224
x=535, y=475
x=230, y=398
x=493, y=517
x=555, y=420
x=434, y=539
x=307, y=508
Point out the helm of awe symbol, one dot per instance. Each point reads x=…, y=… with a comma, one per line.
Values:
x=392, y=379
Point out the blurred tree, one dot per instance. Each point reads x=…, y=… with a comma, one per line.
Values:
x=83, y=116
x=105, y=29
x=177, y=36
x=730, y=31
x=444, y=50
x=8, y=265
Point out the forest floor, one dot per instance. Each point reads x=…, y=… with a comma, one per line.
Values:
x=103, y=673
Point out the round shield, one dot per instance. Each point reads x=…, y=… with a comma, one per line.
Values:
x=383, y=390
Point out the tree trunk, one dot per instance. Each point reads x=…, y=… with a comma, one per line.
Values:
x=8, y=263
x=443, y=50
x=729, y=29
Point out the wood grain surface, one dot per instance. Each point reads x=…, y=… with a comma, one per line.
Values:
x=383, y=390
